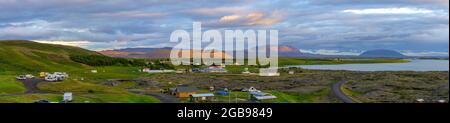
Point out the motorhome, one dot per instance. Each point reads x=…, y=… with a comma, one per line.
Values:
x=57, y=76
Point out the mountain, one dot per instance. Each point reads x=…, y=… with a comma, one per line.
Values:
x=288, y=51
x=139, y=52
x=151, y=53
x=283, y=51
x=382, y=53
x=21, y=55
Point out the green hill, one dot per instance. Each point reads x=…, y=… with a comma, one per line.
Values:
x=27, y=57
x=21, y=56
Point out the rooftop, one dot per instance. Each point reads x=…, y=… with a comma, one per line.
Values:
x=203, y=95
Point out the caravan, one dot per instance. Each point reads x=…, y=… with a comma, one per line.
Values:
x=57, y=76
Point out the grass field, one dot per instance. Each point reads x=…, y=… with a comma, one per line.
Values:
x=314, y=97
x=8, y=85
x=300, y=61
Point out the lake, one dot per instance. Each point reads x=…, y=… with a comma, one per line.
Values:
x=414, y=65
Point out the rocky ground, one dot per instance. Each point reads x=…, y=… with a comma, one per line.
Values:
x=365, y=86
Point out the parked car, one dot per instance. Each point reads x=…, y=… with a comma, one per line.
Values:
x=29, y=76
x=21, y=77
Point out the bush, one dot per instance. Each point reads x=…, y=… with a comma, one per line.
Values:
x=101, y=60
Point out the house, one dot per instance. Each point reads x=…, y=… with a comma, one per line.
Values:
x=161, y=71
x=67, y=97
x=212, y=88
x=258, y=96
x=215, y=69
x=269, y=74
x=252, y=89
x=180, y=71
x=183, y=91
x=146, y=70
x=291, y=72
x=199, y=98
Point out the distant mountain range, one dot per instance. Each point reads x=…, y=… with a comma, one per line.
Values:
x=382, y=53
x=283, y=51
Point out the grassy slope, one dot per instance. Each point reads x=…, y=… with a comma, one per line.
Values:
x=20, y=57
x=8, y=85
x=300, y=61
x=27, y=56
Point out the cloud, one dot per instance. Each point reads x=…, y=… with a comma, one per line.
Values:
x=424, y=53
x=330, y=52
x=342, y=25
x=252, y=19
x=67, y=43
x=389, y=11
x=230, y=18
x=217, y=10
x=127, y=14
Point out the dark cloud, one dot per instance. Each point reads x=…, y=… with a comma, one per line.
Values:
x=413, y=25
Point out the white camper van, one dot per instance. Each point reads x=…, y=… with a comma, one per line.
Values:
x=57, y=76
x=67, y=97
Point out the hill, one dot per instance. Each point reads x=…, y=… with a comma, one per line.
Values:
x=138, y=53
x=151, y=53
x=283, y=51
x=21, y=55
x=27, y=57
x=382, y=53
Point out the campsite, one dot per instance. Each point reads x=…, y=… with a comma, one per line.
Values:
x=96, y=78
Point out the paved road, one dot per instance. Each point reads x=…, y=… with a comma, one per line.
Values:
x=339, y=94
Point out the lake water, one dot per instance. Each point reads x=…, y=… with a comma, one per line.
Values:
x=414, y=65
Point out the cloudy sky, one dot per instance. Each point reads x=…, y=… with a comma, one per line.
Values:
x=414, y=27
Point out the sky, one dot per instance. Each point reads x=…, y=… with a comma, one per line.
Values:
x=341, y=27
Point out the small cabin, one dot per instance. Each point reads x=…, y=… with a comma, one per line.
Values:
x=183, y=91
x=291, y=72
x=252, y=89
x=202, y=98
x=262, y=97
x=146, y=70
x=215, y=69
x=269, y=72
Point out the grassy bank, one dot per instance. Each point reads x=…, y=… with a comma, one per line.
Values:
x=300, y=61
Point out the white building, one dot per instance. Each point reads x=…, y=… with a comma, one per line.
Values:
x=269, y=72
